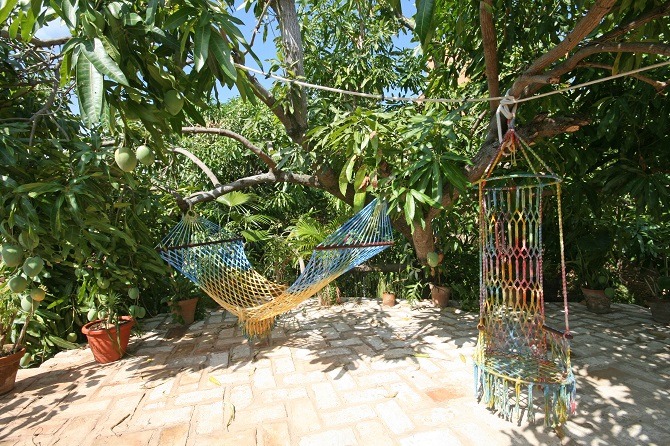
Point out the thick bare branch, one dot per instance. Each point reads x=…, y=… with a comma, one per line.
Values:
x=582, y=29
x=527, y=85
x=490, y=50
x=658, y=85
x=272, y=176
x=237, y=137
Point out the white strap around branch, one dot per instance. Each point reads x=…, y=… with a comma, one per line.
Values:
x=504, y=109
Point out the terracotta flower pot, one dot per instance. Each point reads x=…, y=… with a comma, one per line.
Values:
x=9, y=365
x=440, y=295
x=388, y=299
x=105, y=343
x=186, y=309
x=596, y=301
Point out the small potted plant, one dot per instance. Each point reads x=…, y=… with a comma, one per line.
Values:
x=385, y=292
x=659, y=304
x=108, y=331
x=183, y=300
x=594, y=280
x=439, y=293
x=12, y=354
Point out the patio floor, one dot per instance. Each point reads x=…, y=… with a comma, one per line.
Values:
x=352, y=374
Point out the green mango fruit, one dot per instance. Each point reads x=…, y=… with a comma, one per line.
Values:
x=28, y=240
x=174, y=102
x=72, y=337
x=37, y=294
x=26, y=360
x=12, y=255
x=28, y=304
x=145, y=155
x=33, y=266
x=125, y=159
x=18, y=284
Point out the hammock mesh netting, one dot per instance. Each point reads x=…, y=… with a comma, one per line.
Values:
x=517, y=356
x=216, y=262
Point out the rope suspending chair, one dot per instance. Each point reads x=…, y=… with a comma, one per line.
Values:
x=216, y=262
x=518, y=357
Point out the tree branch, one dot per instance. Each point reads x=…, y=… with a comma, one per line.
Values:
x=272, y=176
x=582, y=29
x=542, y=126
x=658, y=85
x=50, y=101
x=530, y=84
x=239, y=138
x=406, y=22
x=652, y=15
x=38, y=42
x=490, y=50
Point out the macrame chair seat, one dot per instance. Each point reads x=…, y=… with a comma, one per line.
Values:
x=216, y=262
x=518, y=357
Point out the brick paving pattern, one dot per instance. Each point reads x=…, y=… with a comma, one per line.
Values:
x=352, y=374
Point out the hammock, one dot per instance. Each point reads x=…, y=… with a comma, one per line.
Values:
x=517, y=356
x=216, y=262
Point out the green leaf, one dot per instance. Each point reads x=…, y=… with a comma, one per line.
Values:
x=96, y=54
x=346, y=173
x=89, y=90
x=178, y=18
x=6, y=9
x=436, y=191
x=35, y=189
x=359, y=201
x=62, y=343
x=201, y=49
x=410, y=208
x=424, y=20
x=69, y=13
x=150, y=18
x=221, y=51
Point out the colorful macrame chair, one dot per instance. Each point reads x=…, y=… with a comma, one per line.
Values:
x=216, y=262
x=518, y=358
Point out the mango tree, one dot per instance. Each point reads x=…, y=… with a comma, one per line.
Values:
x=153, y=63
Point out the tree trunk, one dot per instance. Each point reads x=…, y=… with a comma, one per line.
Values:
x=293, y=56
x=423, y=240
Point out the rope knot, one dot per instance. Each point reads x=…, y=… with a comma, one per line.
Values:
x=510, y=114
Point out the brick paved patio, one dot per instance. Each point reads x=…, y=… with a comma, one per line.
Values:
x=353, y=374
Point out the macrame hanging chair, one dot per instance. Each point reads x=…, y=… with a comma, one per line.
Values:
x=518, y=358
x=216, y=262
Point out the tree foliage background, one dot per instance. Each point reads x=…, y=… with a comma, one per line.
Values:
x=149, y=72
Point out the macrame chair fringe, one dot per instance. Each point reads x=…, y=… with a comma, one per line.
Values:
x=216, y=262
x=518, y=359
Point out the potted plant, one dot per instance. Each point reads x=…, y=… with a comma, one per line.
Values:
x=183, y=300
x=439, y=293
x=108, y=331
x=12, y=354
x=385, y=292
x=659, y=304
x=594, y=279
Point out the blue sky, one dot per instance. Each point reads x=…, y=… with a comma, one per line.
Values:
x=264, y=50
